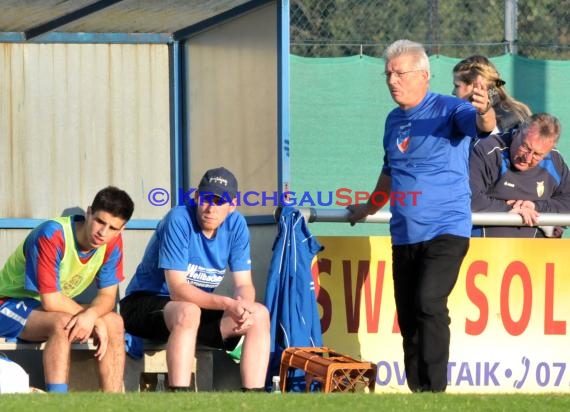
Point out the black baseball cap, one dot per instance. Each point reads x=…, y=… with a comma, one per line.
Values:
x=219, y=182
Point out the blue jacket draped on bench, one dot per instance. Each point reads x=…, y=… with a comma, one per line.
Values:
x=290, y=293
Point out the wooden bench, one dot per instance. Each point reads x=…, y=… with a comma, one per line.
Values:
x=83, y=369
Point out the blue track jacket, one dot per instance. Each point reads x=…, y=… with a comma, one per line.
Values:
x=290, y=293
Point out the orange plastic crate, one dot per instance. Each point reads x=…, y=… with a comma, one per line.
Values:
x=335, y=371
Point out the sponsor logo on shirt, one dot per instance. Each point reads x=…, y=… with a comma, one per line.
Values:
x=204, y=278
x=70, y=285
x=509, y=184
x=403, y=139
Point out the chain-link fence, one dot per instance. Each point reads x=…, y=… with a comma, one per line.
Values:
x=457, y=28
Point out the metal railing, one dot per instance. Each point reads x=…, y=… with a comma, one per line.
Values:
x=313, y=214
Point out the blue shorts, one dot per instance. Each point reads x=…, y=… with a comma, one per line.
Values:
x=14, y=313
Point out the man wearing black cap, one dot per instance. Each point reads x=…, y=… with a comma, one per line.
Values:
x=171, y=296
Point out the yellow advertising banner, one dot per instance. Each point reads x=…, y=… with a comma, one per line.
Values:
x=509, y=313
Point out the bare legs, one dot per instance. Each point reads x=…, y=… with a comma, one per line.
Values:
x=112, y=365
x=49, y=327
x=183, y=321
x=255, y=351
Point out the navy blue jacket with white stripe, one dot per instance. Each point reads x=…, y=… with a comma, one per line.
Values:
x=494, y=180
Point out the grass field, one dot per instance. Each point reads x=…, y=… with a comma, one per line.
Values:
x=235, y=401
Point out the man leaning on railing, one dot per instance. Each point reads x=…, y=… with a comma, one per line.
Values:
x=520, y=172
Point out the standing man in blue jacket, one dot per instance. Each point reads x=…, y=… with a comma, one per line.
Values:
x=171, y=296
x=426, y=149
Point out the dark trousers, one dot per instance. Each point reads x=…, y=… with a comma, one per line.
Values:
x=424, y=276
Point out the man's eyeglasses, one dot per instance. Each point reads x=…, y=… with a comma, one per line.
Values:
x=400, y=75
x=526, y=150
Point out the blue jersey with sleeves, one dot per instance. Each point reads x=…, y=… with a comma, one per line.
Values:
x=179, y=244
x=426, y=152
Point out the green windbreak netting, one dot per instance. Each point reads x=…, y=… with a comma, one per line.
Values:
x=338, y=109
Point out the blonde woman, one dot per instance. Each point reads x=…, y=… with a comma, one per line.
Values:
x=508, y=111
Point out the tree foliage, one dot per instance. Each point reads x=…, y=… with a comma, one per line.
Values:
x=448, y=27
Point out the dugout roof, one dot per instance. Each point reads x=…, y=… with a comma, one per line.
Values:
x=148, y=21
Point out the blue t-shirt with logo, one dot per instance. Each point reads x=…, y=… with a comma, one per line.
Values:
x=426, y=151
x=179, y=244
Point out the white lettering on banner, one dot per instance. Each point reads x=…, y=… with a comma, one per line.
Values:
x=486, y=373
